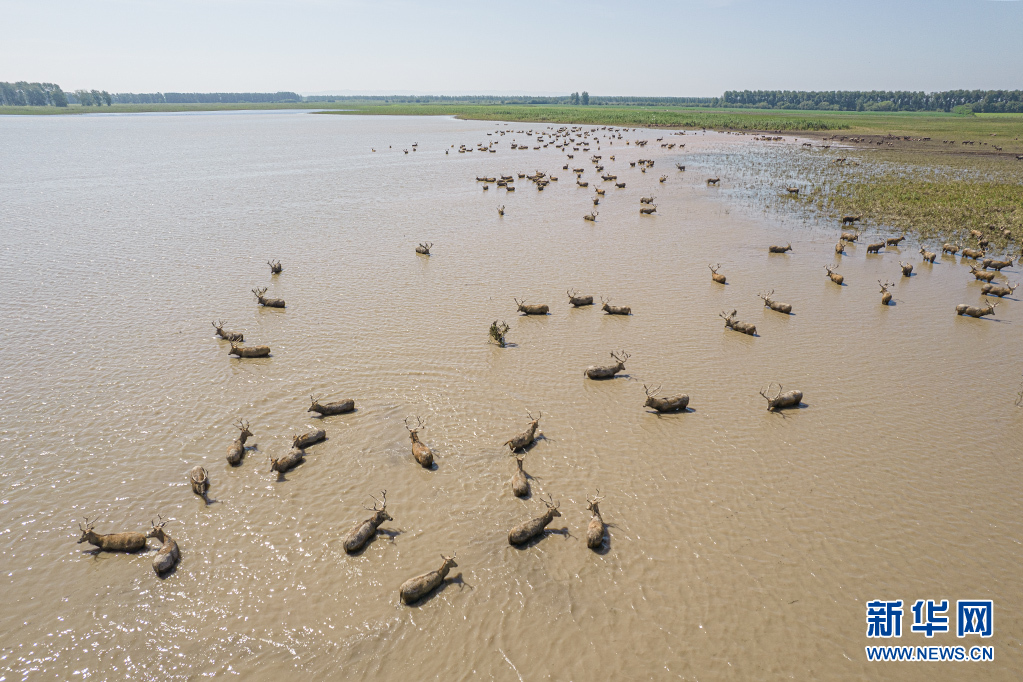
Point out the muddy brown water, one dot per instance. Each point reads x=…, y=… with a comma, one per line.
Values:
x=743, y=544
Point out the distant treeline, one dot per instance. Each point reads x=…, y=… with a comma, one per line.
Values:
x=583, y=99
x=205, y=97
x=22, y=94
x=981, y=101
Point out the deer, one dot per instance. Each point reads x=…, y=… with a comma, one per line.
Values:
x=973, y=311
x=236, y=450
x=850, y=236
x=646, y=200
x=526, y=531
x=782, y=400
x=680, y=167
x=361, y=532
x=237, y=337
x=792, y=190
x=981, y=274
x=973, y=253
x=949, y=249
x=414, y=589
x=300, y=441
x=736, y=325
x=519, y=479
x=526, y=438
x=893, y=241
x=592, y=216
x=113, y=542
x=581, y=183
x=995, y=264
x=600, y=191
x=614, y=309
x=267, y=302
x=673, y=403
x=928, y=256
x=851, y=219
x=329, y=409
x=875, y=248
x=275, y=267
x=424, y=249
x=249, y=351
x=907, y=269
x=713, y=181
x=647, y=210
x=500, y=210
x=620, y=185
x=998, y=290
x=531, y=309
x=840, y=248
x=288, y=461
x=420, y=451
x=714, y=275
x=662, y=179
x=775, y=305
x=200, y=480
x=596, y=201
x=596, y=527
x=167, y=556
x=578, y=301
x=886, y=296
x=607, y=371
x=779, y=249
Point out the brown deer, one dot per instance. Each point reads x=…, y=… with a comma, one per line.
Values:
x=673, y=403
x=775, y=305
x=907, y=269
x=578, y=301
x=288, y=461
x=998, y=290
x=886, y=296
x=948, y=248
x=614, y=309
x=329, y=409
x=792, y=190
x=420, y=451
x=647, y=210
x=237, y=337
x=646, y=200
x=200, y=480
x=531, y=309
x=361, y=532
x=526, y=531
x=414, y=589
x=779, y=249
x=300, y=441
x=720, y=279
x=596, y=528
x=713, y=181
x=929, y=256
x=851, y=219
x=275, y=267
x=424, y=249
x=526, y=438
x=500, y=210
x=782, y=400
x=592, y=217
x=267, y=302
x=992, y=264
x=973, y=311
x=736, y=325
x=167, y=556
x=519, y=480
x=663, y=179
x=894, y=241
x=981, y=274
x=850, y=236
x=600, y=191
x=249, y=351
x=875, y=248
x=840, y=248
x=608, y=371
x=112, y=542
x=973, y=253
x=581, y=183
x=236, y=450
x=620, y=185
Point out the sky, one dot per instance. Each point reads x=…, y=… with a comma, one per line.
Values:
x=625, y=47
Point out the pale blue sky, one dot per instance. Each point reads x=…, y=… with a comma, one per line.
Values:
x=649, y=47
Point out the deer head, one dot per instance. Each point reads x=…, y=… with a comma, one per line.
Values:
x=243, y=426
x=552, y=506
x=449, y=562
x=765, y=391
x=157, y=528
x=533, y=422
x=989, y=305
x=87, y=533
x=650, y=396
x=620, y=357
x=592, y=505
x=766, y=297
x=381, y=513
x=315, y=403
x=714, y=268
x=259, y=292
x=414, y=431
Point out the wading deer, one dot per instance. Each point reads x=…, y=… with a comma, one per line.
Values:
x=998, y=290
x=249, y=351
x=792, y=190
x=948, y=248
x=620, y=185
x=893, y=241
x=167, y=556
x=500, y=210
x=608, y=371
x=414, y=589
x=526, y=438
x=200, y=480
x=596, y=528
x=929, y=256
x=526, y=531
x=592, y=216
x=647, y=210
x=907, y=269
x=236, y=450
x=713, y=181
x=424, y=249
x=267, y=302
x=775, y=305
x=420, y=451
x=360, y=534
x=673, y=403
x=578, y=301
x=112, y=542
x=974, y=311
x=680, y=166
x=614, y=309
x=981, y=274
x=646, y=200
x=886, y=296
x=720, y=279
x=328, y=409
x=519, y=480
x=840, y=248
x=237, y=337
x=736, y=325
x=300, y=441
x=531, y=309
x=991, y=264
x=288, y=461
x=782, y=400
x=973, y=253
x=850, y=236
x=875, y=248
x=275, y=267
x=851, y=219
x=779, y=249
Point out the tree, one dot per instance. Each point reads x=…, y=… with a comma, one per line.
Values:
x=585, y=97
x=574, y=98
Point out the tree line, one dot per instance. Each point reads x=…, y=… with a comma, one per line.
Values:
x=22, y=94
x=981, y=101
